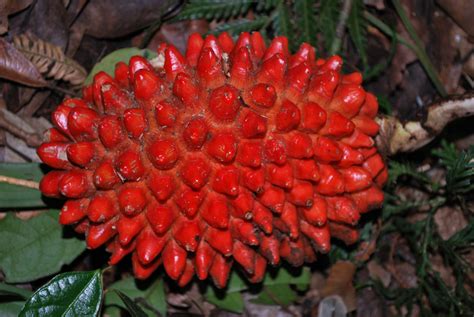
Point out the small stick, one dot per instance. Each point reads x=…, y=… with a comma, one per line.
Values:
x=19, y=182
x=341, y=26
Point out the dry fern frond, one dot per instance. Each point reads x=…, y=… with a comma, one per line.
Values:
x=49, y=59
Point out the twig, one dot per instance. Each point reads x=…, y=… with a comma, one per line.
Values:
x=341, y=26
x=30, y=138
x=19, y=182
x=396, y=136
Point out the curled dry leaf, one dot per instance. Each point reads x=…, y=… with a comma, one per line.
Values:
x=396, y=136
x=50, y=59
x=15, y=67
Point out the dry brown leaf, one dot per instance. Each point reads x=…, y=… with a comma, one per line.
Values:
x=8, y=7
x=376, y=271
x=339, y=282
x=50, y=59
x=461, y=12
x=15, y=67
x=449, y=220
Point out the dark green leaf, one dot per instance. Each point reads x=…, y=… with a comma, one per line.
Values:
x=152, y=294
x=277, y=289
x=357, y=26
x=232, y=302
x=14, y=196
x=9, y=290
x=107, y=64
x=265, y=5
x=229, y=299
x=236, y=27
x=284, y=277
x=132, y=307
x=459, y=167
x=214, y=9
x=11, y=309
x=282, y=23
x=67, y=294
x=35, y=248
x=306, y=21
x=284, y=296
x=327, y=21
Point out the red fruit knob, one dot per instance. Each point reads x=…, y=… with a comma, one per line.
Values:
x=232, y=151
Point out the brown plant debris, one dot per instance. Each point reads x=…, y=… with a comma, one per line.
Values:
x=50, y=59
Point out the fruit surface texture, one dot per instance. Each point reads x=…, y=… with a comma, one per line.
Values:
x=236, y=153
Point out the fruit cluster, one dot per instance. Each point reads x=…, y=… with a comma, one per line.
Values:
x=234, y=152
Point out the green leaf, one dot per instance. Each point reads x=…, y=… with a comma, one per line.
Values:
x=67, y=294
x=9, y=290
x=14, y=196
x=265, y=5
x=35, y=248
x=236, y=27
x=232, y=302
x=459, y=167
x=229, y=299
x=306, y=21
x=277, y=289
x=357, y=26
x=284, y=296
x=150, y=293
x=107, y=64
x=282, y=23
x=283, y=277
x=11, y=309
x=328, y=16
x=132, y=307
x=214, y=9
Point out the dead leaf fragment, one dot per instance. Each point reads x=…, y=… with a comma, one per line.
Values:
x=50, y=59
x=339, y=282
x=16, y=67
x=8, y=7
x=448, y=221
x=376, y=271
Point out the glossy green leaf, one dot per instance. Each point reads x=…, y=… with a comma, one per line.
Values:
x=13, y=196
x=107, y=64
x=34, y=248
x=9, y=290
x=132, y=307
x=11, y=309
x=230, y=298
x=151, y=292
x=67, y=294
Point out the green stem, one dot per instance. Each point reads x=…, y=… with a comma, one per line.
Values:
x=422, y=55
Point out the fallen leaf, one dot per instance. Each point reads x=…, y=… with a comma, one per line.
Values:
x=376, y=271
x=449, y=220
x=339, y=282
x=461, y=12
x=8, y=7
x=16, y=67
